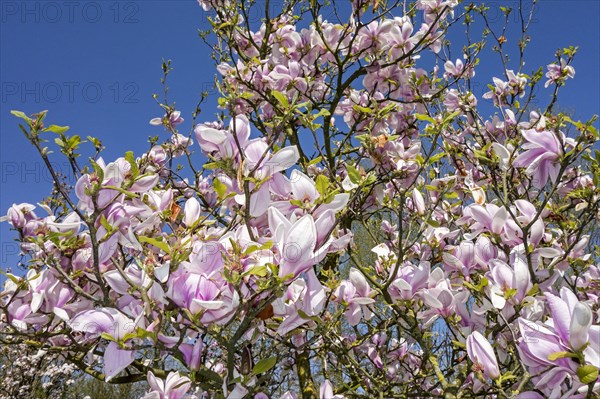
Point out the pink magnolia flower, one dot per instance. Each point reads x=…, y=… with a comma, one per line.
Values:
x=468, y=256
x=502, y=89
x=19, y=215
x=542, y=156
x=526, y=214
x=306, y=295
x=508, y=284
x=373, y=36
x=485, y=218
x=326, y=391
x=567, y=331
x=558, y=73
x=174, y=386
x=356, y=293
x=224, y=143
x=192, y=353
x=454, y=70
x=214, y=300
x=173, y=120
x=138, y=276
x=296, y=242
x=114, y=323
x=482, y=355
x=572, y=320
x=284, y=78
x=410, y=281
x=191, y=212
x=400, y=37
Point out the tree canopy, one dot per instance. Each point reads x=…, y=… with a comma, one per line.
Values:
x=357, y=222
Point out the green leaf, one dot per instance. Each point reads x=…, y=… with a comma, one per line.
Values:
x=260, y=271
x=105, y=224
x=14, y=279
x=315, y=161
x=247, y=95
x=322, y=184
x=56, y=129
x=459, y=344
x=362, y=109
x=264, y=365
x=560, y=355
x=251, y=249
x=433, y=223
x=437, y=157
x=363, y=137
x=267, y=245
x=509, y=293
x=220, y=188
x=450, y=117
x=281, y=98
x=587, y=374
x=107, y=336
x=423, y=117
x=21, y=115
x=533, y=291
x=211, y=165
x=323, y=112
x=157, y=243
x=305, y=316
x=97, y=143
x=483, y=283
x=98, y=170
x=353, y=174
x=130, y=158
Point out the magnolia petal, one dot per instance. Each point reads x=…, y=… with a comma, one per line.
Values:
x=191, y=212
x=561, y=316
x=480, y=351
x=503, y=154
x=326, y=390
x=299, y=247
x=209, y=305
x=581, y=322
x=278, y=224
x=211, y=135
x=418, y=201
x=116, y=360
x=283, y=159
x=499, y=220
x=359, y=281
x=162, y=272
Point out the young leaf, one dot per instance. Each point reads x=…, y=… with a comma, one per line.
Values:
x=587, y=374
x=220, y=188
x=56, y=129
x=21, y=115
x=282, y=98
x=353, y=174
x=322, y=184
x=264, y=365
x=158, y=244
x=135, y=171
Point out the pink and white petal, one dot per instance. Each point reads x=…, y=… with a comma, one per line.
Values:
x=116, y=360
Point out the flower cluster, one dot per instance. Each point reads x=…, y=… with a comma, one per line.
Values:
x=413, y=247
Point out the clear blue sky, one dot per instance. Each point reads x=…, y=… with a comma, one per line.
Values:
x=95, y=64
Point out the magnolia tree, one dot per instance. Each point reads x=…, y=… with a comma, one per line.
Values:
x=241, y=271
x=27, y=372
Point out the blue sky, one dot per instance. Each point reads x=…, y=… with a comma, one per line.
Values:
x=95, y=64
